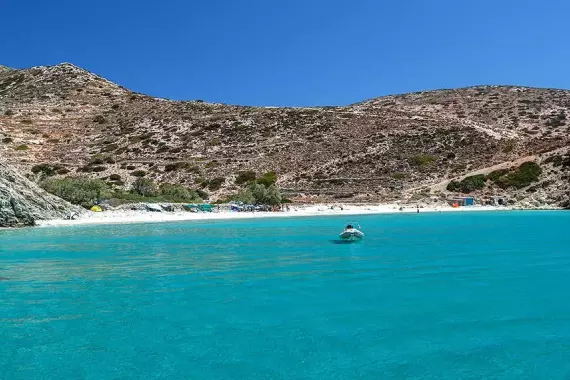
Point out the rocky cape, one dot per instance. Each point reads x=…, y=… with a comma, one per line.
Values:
x=22, y=202
x=402, y=147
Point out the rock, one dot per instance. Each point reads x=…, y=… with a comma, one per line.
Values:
x=22, y=202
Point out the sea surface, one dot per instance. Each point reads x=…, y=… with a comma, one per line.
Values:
x=424, y=296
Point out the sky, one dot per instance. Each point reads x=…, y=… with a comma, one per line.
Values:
x=293, y=52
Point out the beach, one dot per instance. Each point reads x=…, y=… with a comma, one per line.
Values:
x=124, y=216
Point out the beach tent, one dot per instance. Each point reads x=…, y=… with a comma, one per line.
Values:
x=153, y=207
x=205, y=207
x=96, y=208
x=191, y=207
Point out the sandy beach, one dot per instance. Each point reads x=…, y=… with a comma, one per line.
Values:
x=136, y=216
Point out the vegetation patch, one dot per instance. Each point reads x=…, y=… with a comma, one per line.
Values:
x=77, y=190
x=47, y=169
x=423, y=160
x=523, y=176
x=468, y=184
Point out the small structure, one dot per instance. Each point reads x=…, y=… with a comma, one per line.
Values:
x=498, y=200
x=462, y=201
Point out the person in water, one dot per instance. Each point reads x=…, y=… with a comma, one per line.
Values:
x=349, y=227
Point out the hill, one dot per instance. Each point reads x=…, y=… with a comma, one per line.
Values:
x=400, y=147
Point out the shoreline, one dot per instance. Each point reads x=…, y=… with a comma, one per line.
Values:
x=136, y=216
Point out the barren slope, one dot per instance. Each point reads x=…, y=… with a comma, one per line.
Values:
x=381, y=149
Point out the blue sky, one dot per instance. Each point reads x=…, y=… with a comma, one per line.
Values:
x=293, y=52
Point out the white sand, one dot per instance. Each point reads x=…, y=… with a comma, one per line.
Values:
x=122, y=217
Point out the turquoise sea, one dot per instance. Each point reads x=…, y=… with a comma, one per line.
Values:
x=424, y=296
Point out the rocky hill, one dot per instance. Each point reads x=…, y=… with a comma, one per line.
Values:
x=22, y=202
x=401, y=147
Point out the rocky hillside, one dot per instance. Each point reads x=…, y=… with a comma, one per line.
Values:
x=22, y=202
x=390, y=148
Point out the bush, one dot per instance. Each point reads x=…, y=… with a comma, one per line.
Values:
x=178, y=193
x=260, y=194
x=245, y=196
x=98, y=169
x=115, y=177
x=268, y=179
x=46, y=169
x=245, y=177
x=9, y=113
x=175, y=166
x=202, y=194
x=145, y=187
x=216, y=183
x=21, y=147
x=422, y=160
x=138, y=173
x=100, y=119
x=525, y=175
x=468, y=184
x=495, y=175
x=77, y=190
x=7, y=140
x=399, y=176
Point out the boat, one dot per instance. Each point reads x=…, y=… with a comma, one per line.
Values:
x=352, y=233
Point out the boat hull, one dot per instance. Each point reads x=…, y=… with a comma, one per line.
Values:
x=351, y=235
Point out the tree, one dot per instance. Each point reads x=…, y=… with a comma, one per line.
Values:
x=77, y=190
x=145, y=187
x=273, y=195
x=245, y=196
x=178, y=193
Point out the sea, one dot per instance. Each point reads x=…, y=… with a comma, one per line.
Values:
x=474, y=295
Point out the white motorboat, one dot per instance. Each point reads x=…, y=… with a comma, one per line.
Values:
x=351, y=233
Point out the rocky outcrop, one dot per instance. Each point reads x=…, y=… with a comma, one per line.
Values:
x=22, y=202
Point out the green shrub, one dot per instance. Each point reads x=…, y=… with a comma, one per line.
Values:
x=245, y=177
x=509, y=146
x=423, y=160
x=178, y=193
x=77, y=190
x=175, y=166
x=115, y=177
x=268, y=179
x=216, y=183
x=7, y=140
x=21, y=147
x=9, y=113
x=215, y=141
x=100, y=119
x=46, y=169
x=257, y=193
x=399, y=176
x=523, y=176
x=468, y=184
x=495, y=175
x=63, y=171
x=98, y=169
x=138, y=173
x=202, y=194
x=145, y=187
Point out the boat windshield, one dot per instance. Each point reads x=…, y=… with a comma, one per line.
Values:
x=349, y=227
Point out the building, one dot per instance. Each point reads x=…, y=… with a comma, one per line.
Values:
x=462, y=201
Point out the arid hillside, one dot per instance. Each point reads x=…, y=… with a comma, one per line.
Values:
x=396, y=147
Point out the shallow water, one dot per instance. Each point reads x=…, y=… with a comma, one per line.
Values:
x=430, y=296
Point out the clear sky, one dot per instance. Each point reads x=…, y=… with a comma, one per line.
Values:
x=294, y=52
